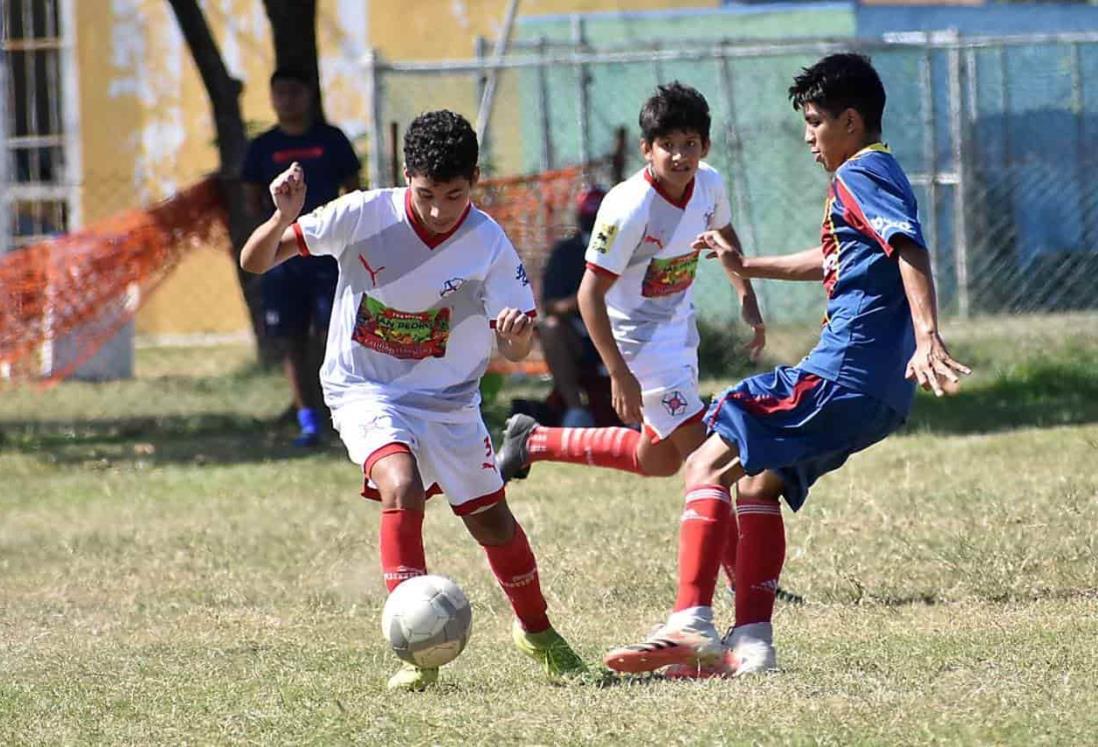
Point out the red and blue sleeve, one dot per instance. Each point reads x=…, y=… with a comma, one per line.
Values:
x=878, y=204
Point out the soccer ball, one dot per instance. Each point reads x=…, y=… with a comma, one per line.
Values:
x=427, y=620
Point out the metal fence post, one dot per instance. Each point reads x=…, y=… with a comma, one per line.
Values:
x=738, y=178
x=930, y=154
x=5, y=152
x=372, y=62
x=960, y=200
x=1083, y=155
x=543, y=109
x=579, y=46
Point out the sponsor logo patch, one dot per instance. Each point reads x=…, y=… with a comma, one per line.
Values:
x=411, y=335
x=602, y=238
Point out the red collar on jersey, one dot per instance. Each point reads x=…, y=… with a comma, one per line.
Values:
x=430, y=239
x=686, y=193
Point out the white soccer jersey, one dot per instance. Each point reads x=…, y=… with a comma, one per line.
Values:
x=412, y=316
x=643, y=238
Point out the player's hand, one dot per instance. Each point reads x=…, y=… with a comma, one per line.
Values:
x=288, y=193
x=514, y=325
x=717, y=246
x=749, y=310
x=933, y=368
x=625, y=394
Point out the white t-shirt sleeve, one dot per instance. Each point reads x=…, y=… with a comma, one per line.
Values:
x=619, y=228
x=328, y=229
x=507, y=286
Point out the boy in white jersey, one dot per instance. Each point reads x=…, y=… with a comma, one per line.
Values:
x=424, y=278
x=636, y=299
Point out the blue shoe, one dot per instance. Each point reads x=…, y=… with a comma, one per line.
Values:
x=309, y=421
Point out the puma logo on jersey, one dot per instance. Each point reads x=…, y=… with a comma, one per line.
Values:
x=650, y=239
x=373, y=273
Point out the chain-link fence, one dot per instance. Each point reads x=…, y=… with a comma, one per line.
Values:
x=993, y=132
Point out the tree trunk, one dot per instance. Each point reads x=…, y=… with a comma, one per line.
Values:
x=224, y=93
x=293, y=23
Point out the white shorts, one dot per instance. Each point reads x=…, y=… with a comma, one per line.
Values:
x=670, y=400
x=453, y=458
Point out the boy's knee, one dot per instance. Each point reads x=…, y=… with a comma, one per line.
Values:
x=701, y=470
x=765, y=486
x=402, y=491
x=492, y=526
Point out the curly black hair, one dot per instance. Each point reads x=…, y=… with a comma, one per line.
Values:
x=441, y=146
x=839, y=82
x=674, y=106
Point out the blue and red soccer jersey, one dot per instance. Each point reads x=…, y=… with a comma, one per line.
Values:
x=868, y=337
x=849, y=392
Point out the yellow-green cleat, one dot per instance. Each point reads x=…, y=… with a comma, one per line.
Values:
x=412, y=678
x=550, y=650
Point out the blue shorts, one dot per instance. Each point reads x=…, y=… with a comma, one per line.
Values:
x=297, y=296
x=798, y=425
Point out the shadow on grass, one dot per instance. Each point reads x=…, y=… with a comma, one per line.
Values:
x=207, y=438
x=1039, y=394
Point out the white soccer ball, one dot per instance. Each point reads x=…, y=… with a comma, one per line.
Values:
x=427, y=620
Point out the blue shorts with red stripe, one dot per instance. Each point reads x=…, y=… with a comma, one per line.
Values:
x=798, y=425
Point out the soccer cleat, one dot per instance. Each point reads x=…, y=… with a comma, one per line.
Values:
x=412, y=678
x=725, y=667
x=753, y=648
x=693, y=648
x=513, y=457
x=549, y=649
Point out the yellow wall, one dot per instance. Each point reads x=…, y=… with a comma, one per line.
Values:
x=146, y=123
x=447, y=29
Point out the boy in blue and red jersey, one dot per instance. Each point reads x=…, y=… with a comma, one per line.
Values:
x=774, y=434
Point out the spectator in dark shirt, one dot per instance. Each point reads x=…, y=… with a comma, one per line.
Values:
x=297, y=295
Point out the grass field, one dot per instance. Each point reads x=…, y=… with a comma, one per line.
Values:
x=170, y=572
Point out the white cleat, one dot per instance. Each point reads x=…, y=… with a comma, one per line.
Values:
x=753, y=648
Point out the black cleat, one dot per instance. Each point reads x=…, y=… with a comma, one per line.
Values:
x=513, y=458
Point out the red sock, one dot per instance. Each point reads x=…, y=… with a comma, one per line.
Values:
x=731, y=545
x=517, y=572
x=401, y=545
x=759, y=559
x=601, y=447
x=702, y=532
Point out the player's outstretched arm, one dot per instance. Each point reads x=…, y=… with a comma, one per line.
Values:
x=749, y=302
x=625, y=391
x=273, y=241
x=806, y=265
x=931, y=367
x=514, y=334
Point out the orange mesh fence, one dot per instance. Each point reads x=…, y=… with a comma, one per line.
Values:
x=84, y=287
x=535, y=211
